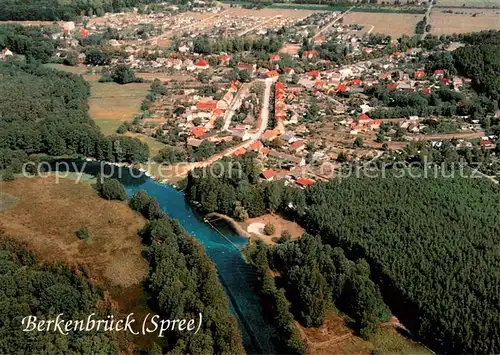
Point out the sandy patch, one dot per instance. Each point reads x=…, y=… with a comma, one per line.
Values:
x=256, y=226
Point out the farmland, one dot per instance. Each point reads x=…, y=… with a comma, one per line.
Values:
x=471, y=3
x=394, y=25
x=464, y=20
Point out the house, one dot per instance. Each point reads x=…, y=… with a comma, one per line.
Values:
x=84, y=32
x=289, y=71
x=272, y=74
x=256, y=146
x=313, y=74
x=367, y=50
x=201, y=64
x=356, y=82
x=309, y=54
x=342, y=88
x=274, y=58
x=270, y=134
x=298, y=145
x=269, y=174
x=438, y=73
x=5, y=53
x=206, y=105
x=391, y=86
x=304, y=182
x=198, y=132
x=457, y=82
x=375, y=124
x=419, y=74
x=251, y=68
x=183, y=49
x=385, y=76
x=486, y=143
x=287, y=158
x=194, y=142
x=240, y=151
x=445, y=81
x=364, y=119
x=426, y=90
x=319, y=40
x=224, y=59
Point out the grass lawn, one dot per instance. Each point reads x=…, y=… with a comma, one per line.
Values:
x=154, y=145
x=111, y=104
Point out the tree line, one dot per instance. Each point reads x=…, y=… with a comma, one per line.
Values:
x=55, y=10
x=46, y=111
x=183, y=282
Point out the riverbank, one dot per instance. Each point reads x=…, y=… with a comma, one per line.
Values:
x=234, y=224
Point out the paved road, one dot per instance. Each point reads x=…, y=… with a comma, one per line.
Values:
x=427, y=18
x=327, y=26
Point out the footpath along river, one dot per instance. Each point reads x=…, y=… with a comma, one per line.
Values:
x=238, y=278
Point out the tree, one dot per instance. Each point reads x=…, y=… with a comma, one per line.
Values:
x=285, y=236
x=113, y=189
x=7, y=174
x=269, y=229
x=219, y=123
x=71, y=58
x=97, y=57
x=122, y=74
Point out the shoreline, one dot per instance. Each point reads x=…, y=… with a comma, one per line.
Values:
x=233, y=223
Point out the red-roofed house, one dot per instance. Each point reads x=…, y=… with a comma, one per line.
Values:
x=309, y=54
x=84, y=32
x=257, y=146
x=201, y=64
x=265, y=150
x=486, y=143
x=207, y=105
x=240, y=151
x=375, y=124
x=445, y=81
x=270, y=134
x=268, y=174
x=224, y=59
x=298, y=145
x=289, y=71
x=251, y=68
x=357, y=82
x=319, y=40
x=342, y=88
x=272, y=74
x=198, y=131
x=274, y=58
x=364, y=118
x=384, y=76
x=391, y=86
x=313, y=74
x=419, y=74
x=426, y=90
x=438, y=73
x=304, y=182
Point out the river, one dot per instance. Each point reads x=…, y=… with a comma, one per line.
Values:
x=238, y=278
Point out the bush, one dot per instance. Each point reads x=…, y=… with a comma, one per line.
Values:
x=83, y=233
x=123, y=75
x=269, y=229
x=7, y=175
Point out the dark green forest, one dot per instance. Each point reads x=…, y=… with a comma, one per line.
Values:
x=55, y=10
x=183, y=282
x=45, y=111
x=28, y=287
x=431, y=243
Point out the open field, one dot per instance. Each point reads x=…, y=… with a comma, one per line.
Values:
x=393, y=25
x=40, y=219
x=79, y=70
x=333, y=337
x=446, y=23
x=111, y=104
x=270, y=12
x=154, y=145
x=473, y=3
x=280, y=224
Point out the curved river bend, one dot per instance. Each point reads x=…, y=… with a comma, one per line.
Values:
x=239, y=279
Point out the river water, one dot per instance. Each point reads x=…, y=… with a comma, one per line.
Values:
x=238, y=278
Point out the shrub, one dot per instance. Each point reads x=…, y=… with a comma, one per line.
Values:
x=269, y=229
x=285, y=236
x=83, y=233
